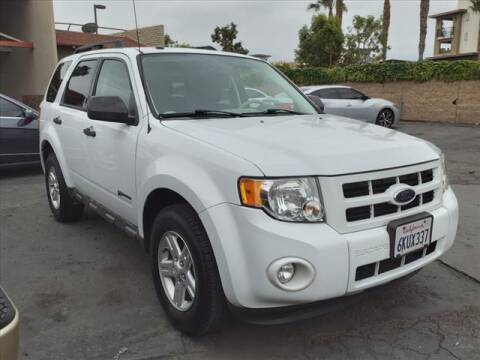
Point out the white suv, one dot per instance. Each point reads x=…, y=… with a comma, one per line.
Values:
x=248, y=205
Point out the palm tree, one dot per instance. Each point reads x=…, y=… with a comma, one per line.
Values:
x=316, y=6
x=340, y=8
x=476, y=8
x=424, y=9
x=386, y=28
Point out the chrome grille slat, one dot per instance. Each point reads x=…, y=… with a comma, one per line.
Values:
x=372, y=194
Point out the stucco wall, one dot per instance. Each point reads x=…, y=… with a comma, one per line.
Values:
x=25, y=72
x=430, y=101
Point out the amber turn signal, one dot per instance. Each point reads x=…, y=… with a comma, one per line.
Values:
x=251, y=192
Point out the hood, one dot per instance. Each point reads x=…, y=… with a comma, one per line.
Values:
x=309, y=144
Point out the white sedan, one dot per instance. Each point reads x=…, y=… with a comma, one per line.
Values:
x=345, y=101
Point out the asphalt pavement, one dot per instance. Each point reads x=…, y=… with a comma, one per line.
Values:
x=84, y=290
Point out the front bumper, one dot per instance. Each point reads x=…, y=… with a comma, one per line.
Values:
x=246, y=241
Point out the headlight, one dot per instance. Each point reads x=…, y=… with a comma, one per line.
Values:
x=295, y=200
x=444, y=172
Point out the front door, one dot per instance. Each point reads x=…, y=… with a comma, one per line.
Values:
x=18, y=136
x=331, y=99
x=355, y=103
x=112, y=150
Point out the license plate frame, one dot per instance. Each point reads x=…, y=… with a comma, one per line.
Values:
x=392, y=232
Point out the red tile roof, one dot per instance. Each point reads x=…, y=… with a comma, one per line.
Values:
x=75, y=39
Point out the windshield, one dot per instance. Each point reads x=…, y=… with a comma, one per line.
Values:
x=211, y=84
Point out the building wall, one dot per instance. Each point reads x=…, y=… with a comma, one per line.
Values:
x=470, y=28
x=430, y=101
x=24, y=73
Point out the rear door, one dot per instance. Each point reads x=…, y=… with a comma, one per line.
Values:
x=331, y=99
x=18, y=138
x=111, y=151
x=70, y=118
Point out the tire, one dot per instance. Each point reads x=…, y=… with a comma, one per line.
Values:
x=64, y=208
x=386, y=118
x=205, y=311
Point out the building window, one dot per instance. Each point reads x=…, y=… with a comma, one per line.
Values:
x=445, y=48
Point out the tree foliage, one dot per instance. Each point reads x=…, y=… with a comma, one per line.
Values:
x=319, y=4
x=169, y=42
x=339, y=5
x=363, y=42
x=320, y=44
x=226, y=36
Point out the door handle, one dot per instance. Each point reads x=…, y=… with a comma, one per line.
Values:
x=90, y=131
x=57, y=120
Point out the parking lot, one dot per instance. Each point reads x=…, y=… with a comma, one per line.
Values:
x=84, y=290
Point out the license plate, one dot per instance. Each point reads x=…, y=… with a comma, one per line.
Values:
x=410, y=234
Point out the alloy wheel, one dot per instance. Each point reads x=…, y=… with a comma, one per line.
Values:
x=177, y=271
x=385, y=118
x=53, y=188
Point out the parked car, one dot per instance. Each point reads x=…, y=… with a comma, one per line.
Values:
x=18, y=133
x=9, y=321
x=244, y=207
x=346, y=101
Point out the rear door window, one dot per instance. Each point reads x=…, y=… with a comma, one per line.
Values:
x=79, y=84
x=56, y=81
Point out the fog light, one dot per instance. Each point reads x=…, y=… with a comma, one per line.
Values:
x=285, y=273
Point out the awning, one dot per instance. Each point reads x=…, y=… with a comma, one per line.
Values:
x=8, y=42
x=448, y=13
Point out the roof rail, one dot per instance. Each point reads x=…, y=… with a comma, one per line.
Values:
x=207, y=47
x=99, y=45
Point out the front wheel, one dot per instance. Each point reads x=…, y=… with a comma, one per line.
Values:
x=386, y=118
x=185, y=272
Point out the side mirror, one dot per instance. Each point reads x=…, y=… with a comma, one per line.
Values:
x=319, y=105
x=28, y=117
x=110, y=109
x=365, y=97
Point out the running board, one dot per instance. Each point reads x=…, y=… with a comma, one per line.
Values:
x=108, y=215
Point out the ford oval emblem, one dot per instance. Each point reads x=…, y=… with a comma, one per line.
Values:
x=404, y=196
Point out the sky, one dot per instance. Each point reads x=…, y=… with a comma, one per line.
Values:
x=265, y=26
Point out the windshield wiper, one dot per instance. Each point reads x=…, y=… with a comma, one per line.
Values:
x=276, y=111
x=200, y=113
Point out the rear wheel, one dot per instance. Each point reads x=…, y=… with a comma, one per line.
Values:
x=185, y=272
x=64, y=208
x=386, y=118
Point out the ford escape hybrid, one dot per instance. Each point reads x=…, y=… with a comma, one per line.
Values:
x=244, y=201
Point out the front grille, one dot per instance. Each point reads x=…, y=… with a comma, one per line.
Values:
x=381, y=267
x=372, y=188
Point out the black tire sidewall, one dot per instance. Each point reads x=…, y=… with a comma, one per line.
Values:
x=69, y=209
x=52, y=162
x=193, y=321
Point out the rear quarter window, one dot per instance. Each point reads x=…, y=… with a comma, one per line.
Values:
x=56, y=81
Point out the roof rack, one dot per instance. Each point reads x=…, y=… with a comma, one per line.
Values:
x=208, y=47
x=98, y=46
